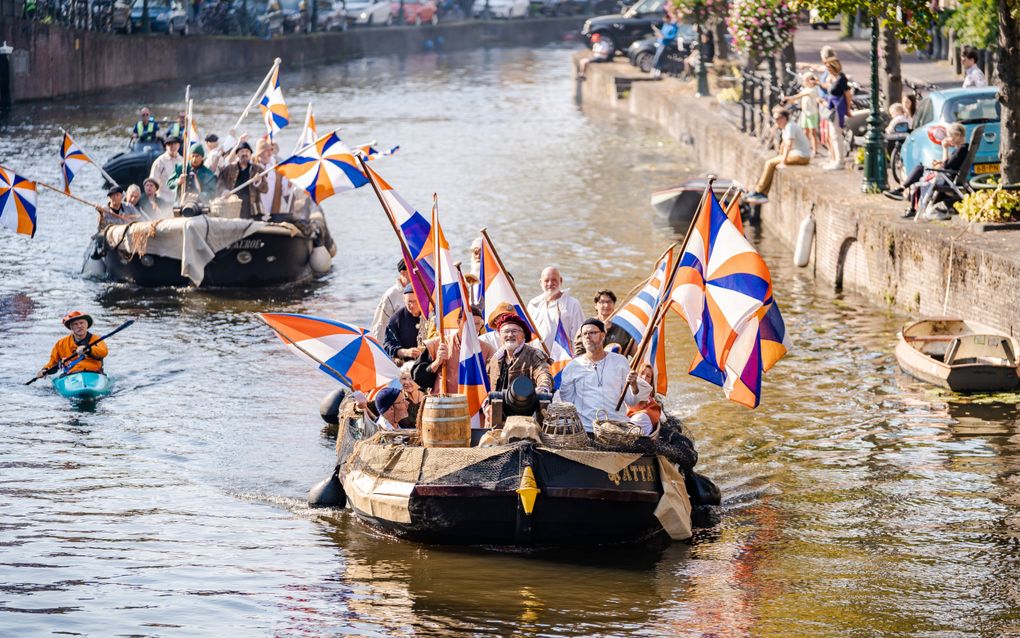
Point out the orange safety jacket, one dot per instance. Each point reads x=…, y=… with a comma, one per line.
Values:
x=64, y=350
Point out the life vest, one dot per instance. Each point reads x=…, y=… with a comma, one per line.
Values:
x=175, y=130
x=145, y=130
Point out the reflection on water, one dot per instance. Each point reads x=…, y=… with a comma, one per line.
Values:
x=856, y=500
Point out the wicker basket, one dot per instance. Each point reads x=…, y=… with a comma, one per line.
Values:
x=229, y=207
x=614, y=433
x=561, y=427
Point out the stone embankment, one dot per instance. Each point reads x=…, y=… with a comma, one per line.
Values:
x=51, y=61
x=860, y=242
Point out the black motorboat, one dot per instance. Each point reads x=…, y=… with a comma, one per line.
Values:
x=678, y=204
x=133, y=165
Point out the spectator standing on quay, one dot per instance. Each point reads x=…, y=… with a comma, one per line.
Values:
x=839, y=97
x=973, y=76
x=808, y=109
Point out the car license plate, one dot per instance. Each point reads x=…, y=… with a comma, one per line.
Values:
x=982, y=169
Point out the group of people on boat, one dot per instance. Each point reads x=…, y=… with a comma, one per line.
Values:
x=599, y=374
x=214, y=170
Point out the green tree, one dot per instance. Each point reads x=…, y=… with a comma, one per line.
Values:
x=894, y=15
x=976, y=22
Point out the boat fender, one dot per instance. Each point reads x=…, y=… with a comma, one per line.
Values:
x=320, y=261
x=701, y=489
x=328, y=493
x=329, y=407
x=802, y=255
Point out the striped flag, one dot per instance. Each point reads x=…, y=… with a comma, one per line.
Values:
x=274, y=109
x=722, y=284
x=495, y=287
x=561, y=350
x=17, y=202
x=72, y=158
x=343, y=351
x=472, y=378
x=323, y=169
x=447, y=294
x=415, y=230
x=635, y=315
x=655, y=356
x=370, y=152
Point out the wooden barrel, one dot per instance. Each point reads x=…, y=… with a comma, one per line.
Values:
x=445, y=421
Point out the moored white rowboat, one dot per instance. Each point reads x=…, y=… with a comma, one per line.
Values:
x=960, y=355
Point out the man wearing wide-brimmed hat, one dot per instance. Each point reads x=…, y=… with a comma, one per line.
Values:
x=79, y=342
x=117, y=211
x=165, y=165
x=238, y=168
x=515, y=358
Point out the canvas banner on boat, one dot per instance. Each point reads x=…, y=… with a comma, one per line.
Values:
x=674, y=509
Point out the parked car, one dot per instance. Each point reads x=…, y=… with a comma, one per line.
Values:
x=370, y=12
x=641, y=52
x=165, y=16
x=417, y=11
x=622, y=29
x=508, y=9
x=121, y=17
x=331, y=15
x=937, y=111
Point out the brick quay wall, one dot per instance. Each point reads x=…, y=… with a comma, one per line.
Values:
x=860, y=243
x=52, y=61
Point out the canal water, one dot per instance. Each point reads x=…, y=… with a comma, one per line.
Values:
x=856, y=502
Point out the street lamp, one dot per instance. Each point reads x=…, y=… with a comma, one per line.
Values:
x=874, y=151
x=702, y=13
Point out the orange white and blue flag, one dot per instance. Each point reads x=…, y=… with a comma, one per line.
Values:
x=17, y=202
x=370, y=152
x=274, y=109
x=561, y=351
x=72, y=158
x=323, y=169
x=721, y=285
x=343, y=351
x=415, y=230
x=472, y=378
x=655, y=356
x=635, y=315
x=495, y=288
x=447, y=295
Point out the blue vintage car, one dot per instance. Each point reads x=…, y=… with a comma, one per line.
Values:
x=937, y=111
x=165, y=16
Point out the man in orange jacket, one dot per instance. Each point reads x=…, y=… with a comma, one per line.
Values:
x=75, y=344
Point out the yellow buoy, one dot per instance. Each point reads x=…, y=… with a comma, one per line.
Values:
x=528, y=491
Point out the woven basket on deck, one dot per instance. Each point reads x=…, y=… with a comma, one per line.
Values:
x=561, y=427
x=229, y=207
x=614, y=433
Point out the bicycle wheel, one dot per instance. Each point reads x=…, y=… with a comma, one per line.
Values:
x=896, y=165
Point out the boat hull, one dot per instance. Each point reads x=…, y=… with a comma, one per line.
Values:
x=922, y=347
x=678, y=204
x=577, y=503
x=83, y=385
x=259, y=260
x=133, y=166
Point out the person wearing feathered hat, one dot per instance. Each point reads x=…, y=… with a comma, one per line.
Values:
x=515, y=358
x=79, y=342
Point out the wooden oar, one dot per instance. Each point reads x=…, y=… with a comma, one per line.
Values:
x=75, y=361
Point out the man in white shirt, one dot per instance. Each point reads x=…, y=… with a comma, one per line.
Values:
x=554, y=304
x=973, y=76
x=795, y=150
x=392, y=301
x=166, y=164
x=594, y=381
x=275, y=199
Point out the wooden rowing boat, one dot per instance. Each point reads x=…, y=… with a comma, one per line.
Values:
x=960, y=355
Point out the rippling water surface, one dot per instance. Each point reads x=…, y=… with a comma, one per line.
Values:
x=856, y=502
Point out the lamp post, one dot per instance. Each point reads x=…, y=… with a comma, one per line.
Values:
x=702, y=12
x=874, y=153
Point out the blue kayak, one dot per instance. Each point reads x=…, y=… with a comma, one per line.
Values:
x=83, y=385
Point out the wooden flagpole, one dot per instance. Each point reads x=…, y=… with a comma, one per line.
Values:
x=513, y=287
x=438, y=301
x=61, y=191
x=412, y=267
x=183, y=185
x=258, y=94
x=663, y=304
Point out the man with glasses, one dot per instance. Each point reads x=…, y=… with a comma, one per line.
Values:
x=617, y=340
x=516, y=358
x=594, y=381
